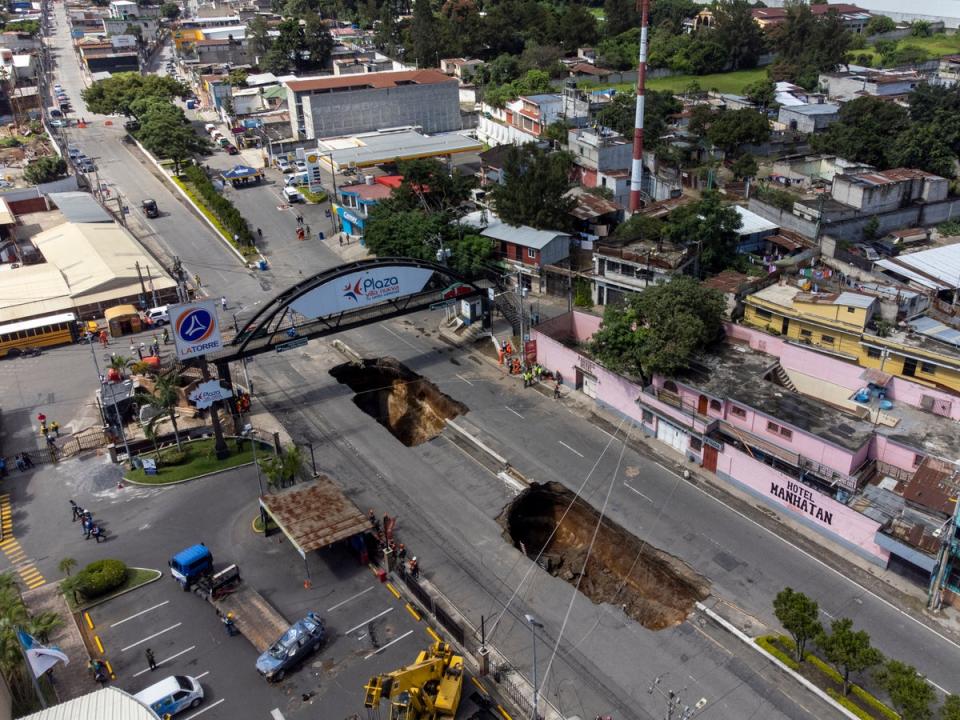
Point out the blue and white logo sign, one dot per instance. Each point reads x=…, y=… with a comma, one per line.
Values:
x=196, y=331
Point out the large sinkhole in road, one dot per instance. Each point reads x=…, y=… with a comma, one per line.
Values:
x=654, y=588
x=409, y=406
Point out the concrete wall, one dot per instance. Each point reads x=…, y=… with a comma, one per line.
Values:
x=434, y=107
x=814, y=509
x=494, y=133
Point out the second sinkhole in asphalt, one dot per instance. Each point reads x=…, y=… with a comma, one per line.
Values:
x=411, y=407
x=651, y=586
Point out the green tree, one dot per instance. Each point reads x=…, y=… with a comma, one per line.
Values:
x=761, y=93
x=733, y=128
x=879, y=24
x=576, y=27
x=412, y=233
x=424, y=47
x=951, y=708
x=865, y=132
x=744, y=166
x=119, y=363
x=165, y=131
x=557, y=131
x=238, y=77
x=169, y=10
x=848, y=650
x=619, y=16
x=534, y=191
x=659, y=329
x=799, y=616
x=117, y=93
x=871, y=229
x=738, y=33
x=620, y=115
x=807, y=45
x=924, y=147
x=909, y=691
x=258, y=32
x=712, y=225
x=470, y=254
x=318, y=42
x=639, y=228
x=282, y=470
x=921, y=28
x=45, y=169
x=165, y=398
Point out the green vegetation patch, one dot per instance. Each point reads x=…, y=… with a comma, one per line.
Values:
x=135, y=578
x=201, y=458
x=771, y=645
x=248, y=251
x=313, y=197
x=730, y=82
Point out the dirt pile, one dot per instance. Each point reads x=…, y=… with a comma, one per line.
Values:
x=410, y=407
x=654, y=588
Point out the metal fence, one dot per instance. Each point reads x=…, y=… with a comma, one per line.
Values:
x=452, y=626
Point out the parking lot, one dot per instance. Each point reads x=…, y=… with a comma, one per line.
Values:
x=369, y=631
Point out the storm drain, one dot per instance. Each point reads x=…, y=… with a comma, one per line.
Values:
x=409, y=406
x=652, y=587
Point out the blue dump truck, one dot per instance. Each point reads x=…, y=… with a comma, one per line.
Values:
x=191, y=564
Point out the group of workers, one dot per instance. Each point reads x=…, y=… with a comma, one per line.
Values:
x=385, y=541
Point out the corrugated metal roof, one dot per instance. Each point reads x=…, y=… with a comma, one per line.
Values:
x=942, y=263
x=519, y=235
x=316, y=515
x=752, y=223
x=110, y=703
x=933, y=328
x=80, y=207
x=854, y=300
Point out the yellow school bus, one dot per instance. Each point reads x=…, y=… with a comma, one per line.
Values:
x=39, y=332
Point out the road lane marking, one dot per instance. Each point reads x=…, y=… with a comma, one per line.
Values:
x=514, y=412
x=464, y=379
x=276, y=714
x=628, y=486
x=166, y=660
x=201, y=675
x=392, y=642
x=201, y=712
x=142, y=612
x=803, y=552
x=367, y=622
x=611, y=435
x=151, y=637
x=400, y=338
x=575, y=452
x=351, y=598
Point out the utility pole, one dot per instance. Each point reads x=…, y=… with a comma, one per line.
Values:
x=143, y=287
x=636, y=169
x=153, y=289
x=523, y=349
x=534, y=624
x=675, y=709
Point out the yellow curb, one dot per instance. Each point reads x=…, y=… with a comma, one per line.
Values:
x=479, y=685
x=504, y=712
x=433, y=634
x=96, y=639
x=393, y=590
x=86, y=616
x=416, y=615
x=35, y=584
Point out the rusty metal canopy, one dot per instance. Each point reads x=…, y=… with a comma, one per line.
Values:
x=316, y=515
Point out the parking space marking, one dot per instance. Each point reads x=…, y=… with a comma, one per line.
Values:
x=201, y=712
x=201, y=675
x=151, y=637
x=351, y=598
x=464, y=379
x=628, y=486
x=575, y=452
x=142, y=612
x=166, y=660
x=392, y=642
x=367, y=622
x=514, y=411
x=276, y=714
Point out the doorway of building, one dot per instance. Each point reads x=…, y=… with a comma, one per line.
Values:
x=909, y=366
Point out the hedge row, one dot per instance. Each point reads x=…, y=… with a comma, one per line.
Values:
x=767, y=642
x=100, y=577
x=226, y=213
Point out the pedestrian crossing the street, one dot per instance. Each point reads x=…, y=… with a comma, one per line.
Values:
x=11, y=548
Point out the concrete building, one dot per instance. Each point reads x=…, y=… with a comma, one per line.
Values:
x=753, y=232
x=631, y=268
x=461, y=68
x=849, y=85
x=213, y=51
x=104, y=57
x=841, y=325
x=808, y=170
x=525, y=250
x=854, y=18
x=877, y=192
x=602, y=156
x=355, y=202
x=332, y=106
x=810, y=117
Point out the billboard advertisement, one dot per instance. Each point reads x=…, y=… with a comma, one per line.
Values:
x=361, y=289
x=196, y=330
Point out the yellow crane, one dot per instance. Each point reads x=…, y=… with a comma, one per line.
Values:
x=426, y=690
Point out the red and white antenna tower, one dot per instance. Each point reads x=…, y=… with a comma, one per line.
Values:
x=636, y=169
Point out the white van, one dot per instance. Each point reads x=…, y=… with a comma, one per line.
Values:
x=299, y=178
x=158, y=315
x=172, y=695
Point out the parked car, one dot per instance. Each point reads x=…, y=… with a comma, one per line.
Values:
x=150, y=209
x=86, y=165
x=231, y=149
x=301, y=166
x=292, y=195
x=283, y=165
x=131, y=125
x=57, y=88
x=298, y=643
x=172, y=695
x=887, y=247
x=867, y=251
x=73, y=152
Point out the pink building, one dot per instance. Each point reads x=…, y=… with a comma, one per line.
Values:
x=738, y=413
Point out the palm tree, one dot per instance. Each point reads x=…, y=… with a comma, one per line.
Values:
x=66, y=565
x=284, y=468
x=164, y=398
x=150, y=433
x=119, y=363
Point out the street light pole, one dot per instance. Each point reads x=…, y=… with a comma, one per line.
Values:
x=534, y=624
